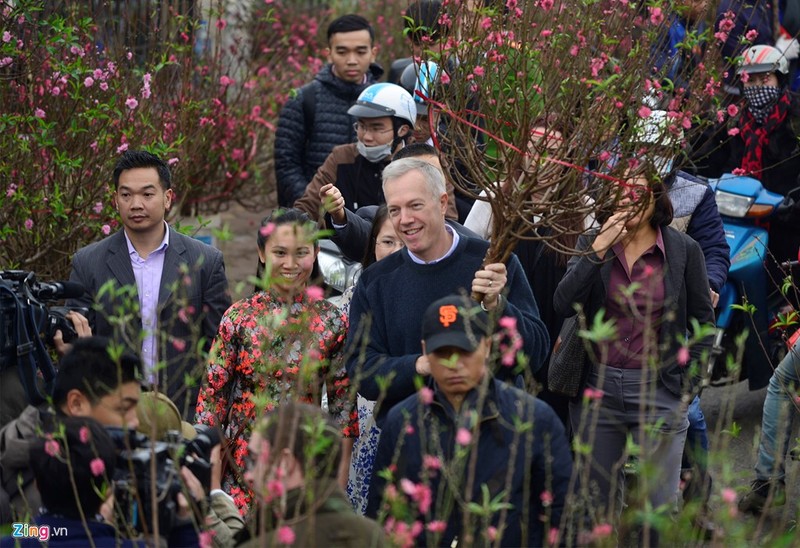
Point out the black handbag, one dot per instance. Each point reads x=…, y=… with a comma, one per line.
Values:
x=568, y=360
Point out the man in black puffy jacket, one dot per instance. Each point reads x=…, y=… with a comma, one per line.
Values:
x=316, y=119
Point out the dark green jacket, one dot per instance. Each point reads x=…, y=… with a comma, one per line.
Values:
x=328, y=521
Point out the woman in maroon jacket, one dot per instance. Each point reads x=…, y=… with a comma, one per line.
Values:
x=651, y=281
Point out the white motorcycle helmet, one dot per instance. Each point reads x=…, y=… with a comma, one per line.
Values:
x=385, y=99
x=654, y=130
x=760, y=59
x=420, y=78
x=663, y=145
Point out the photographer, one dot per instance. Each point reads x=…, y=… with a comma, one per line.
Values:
x=158, y=419
x=89, y=383
x=73, y=468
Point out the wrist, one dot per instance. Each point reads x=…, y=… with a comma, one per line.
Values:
x=495, y=305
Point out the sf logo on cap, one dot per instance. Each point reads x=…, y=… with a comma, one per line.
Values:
x=447, y=314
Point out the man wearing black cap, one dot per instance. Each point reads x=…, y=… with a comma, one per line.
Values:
x=468, y=429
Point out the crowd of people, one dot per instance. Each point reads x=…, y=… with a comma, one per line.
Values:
x=416, y=409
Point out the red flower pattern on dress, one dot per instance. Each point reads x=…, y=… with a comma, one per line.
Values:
x=273, y=352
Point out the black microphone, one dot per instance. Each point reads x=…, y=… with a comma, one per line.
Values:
x=58, y=290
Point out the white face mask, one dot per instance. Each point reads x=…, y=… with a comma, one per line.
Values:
x=663, y=165
x=374, y=154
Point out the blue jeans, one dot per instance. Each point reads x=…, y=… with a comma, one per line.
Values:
x=696, y=438
x=779, y=412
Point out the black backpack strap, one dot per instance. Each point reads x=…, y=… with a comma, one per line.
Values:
x=32, y=355
x=309, y=97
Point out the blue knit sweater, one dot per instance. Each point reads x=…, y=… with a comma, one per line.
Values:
x=386, y=317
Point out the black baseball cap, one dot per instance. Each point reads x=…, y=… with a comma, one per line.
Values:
x=455, y=320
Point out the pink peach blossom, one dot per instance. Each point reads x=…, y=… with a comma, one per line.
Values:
x=267, y=229
x=315, y=293
x=286, y=535
x=52, y=448
x=179, y=344
x=656, y=16
x=431, y=462
x=683, y=356
x=425, y=395
x=729, y=495
x=592, y=394
x=602, y=531
x=97, y=466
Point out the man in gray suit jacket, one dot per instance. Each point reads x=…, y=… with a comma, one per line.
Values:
x=149, y=286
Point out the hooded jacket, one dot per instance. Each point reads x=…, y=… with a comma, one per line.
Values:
x=301, y=146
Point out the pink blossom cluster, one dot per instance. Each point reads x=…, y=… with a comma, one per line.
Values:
x=401, y=533
x=510, y=340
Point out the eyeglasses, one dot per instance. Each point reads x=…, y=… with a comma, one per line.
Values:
x=375, y=129
x=389, y=244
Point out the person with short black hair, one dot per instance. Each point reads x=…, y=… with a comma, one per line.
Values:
x=299, y=447
x=315, y=120
x=422, y=29
x=179, y=286
x=480, y=433
x=62, y=457
x=73, y=466
x=90, y=382
x=96, y=379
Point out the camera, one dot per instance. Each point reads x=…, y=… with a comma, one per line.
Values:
x=144, y=465
x=27, y=323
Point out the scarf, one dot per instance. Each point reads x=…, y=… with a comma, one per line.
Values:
x=756, y=134
x=761, y=100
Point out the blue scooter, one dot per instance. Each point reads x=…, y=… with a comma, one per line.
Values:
x=746, y=206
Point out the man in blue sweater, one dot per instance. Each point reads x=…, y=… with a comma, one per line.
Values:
x=392, y=295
